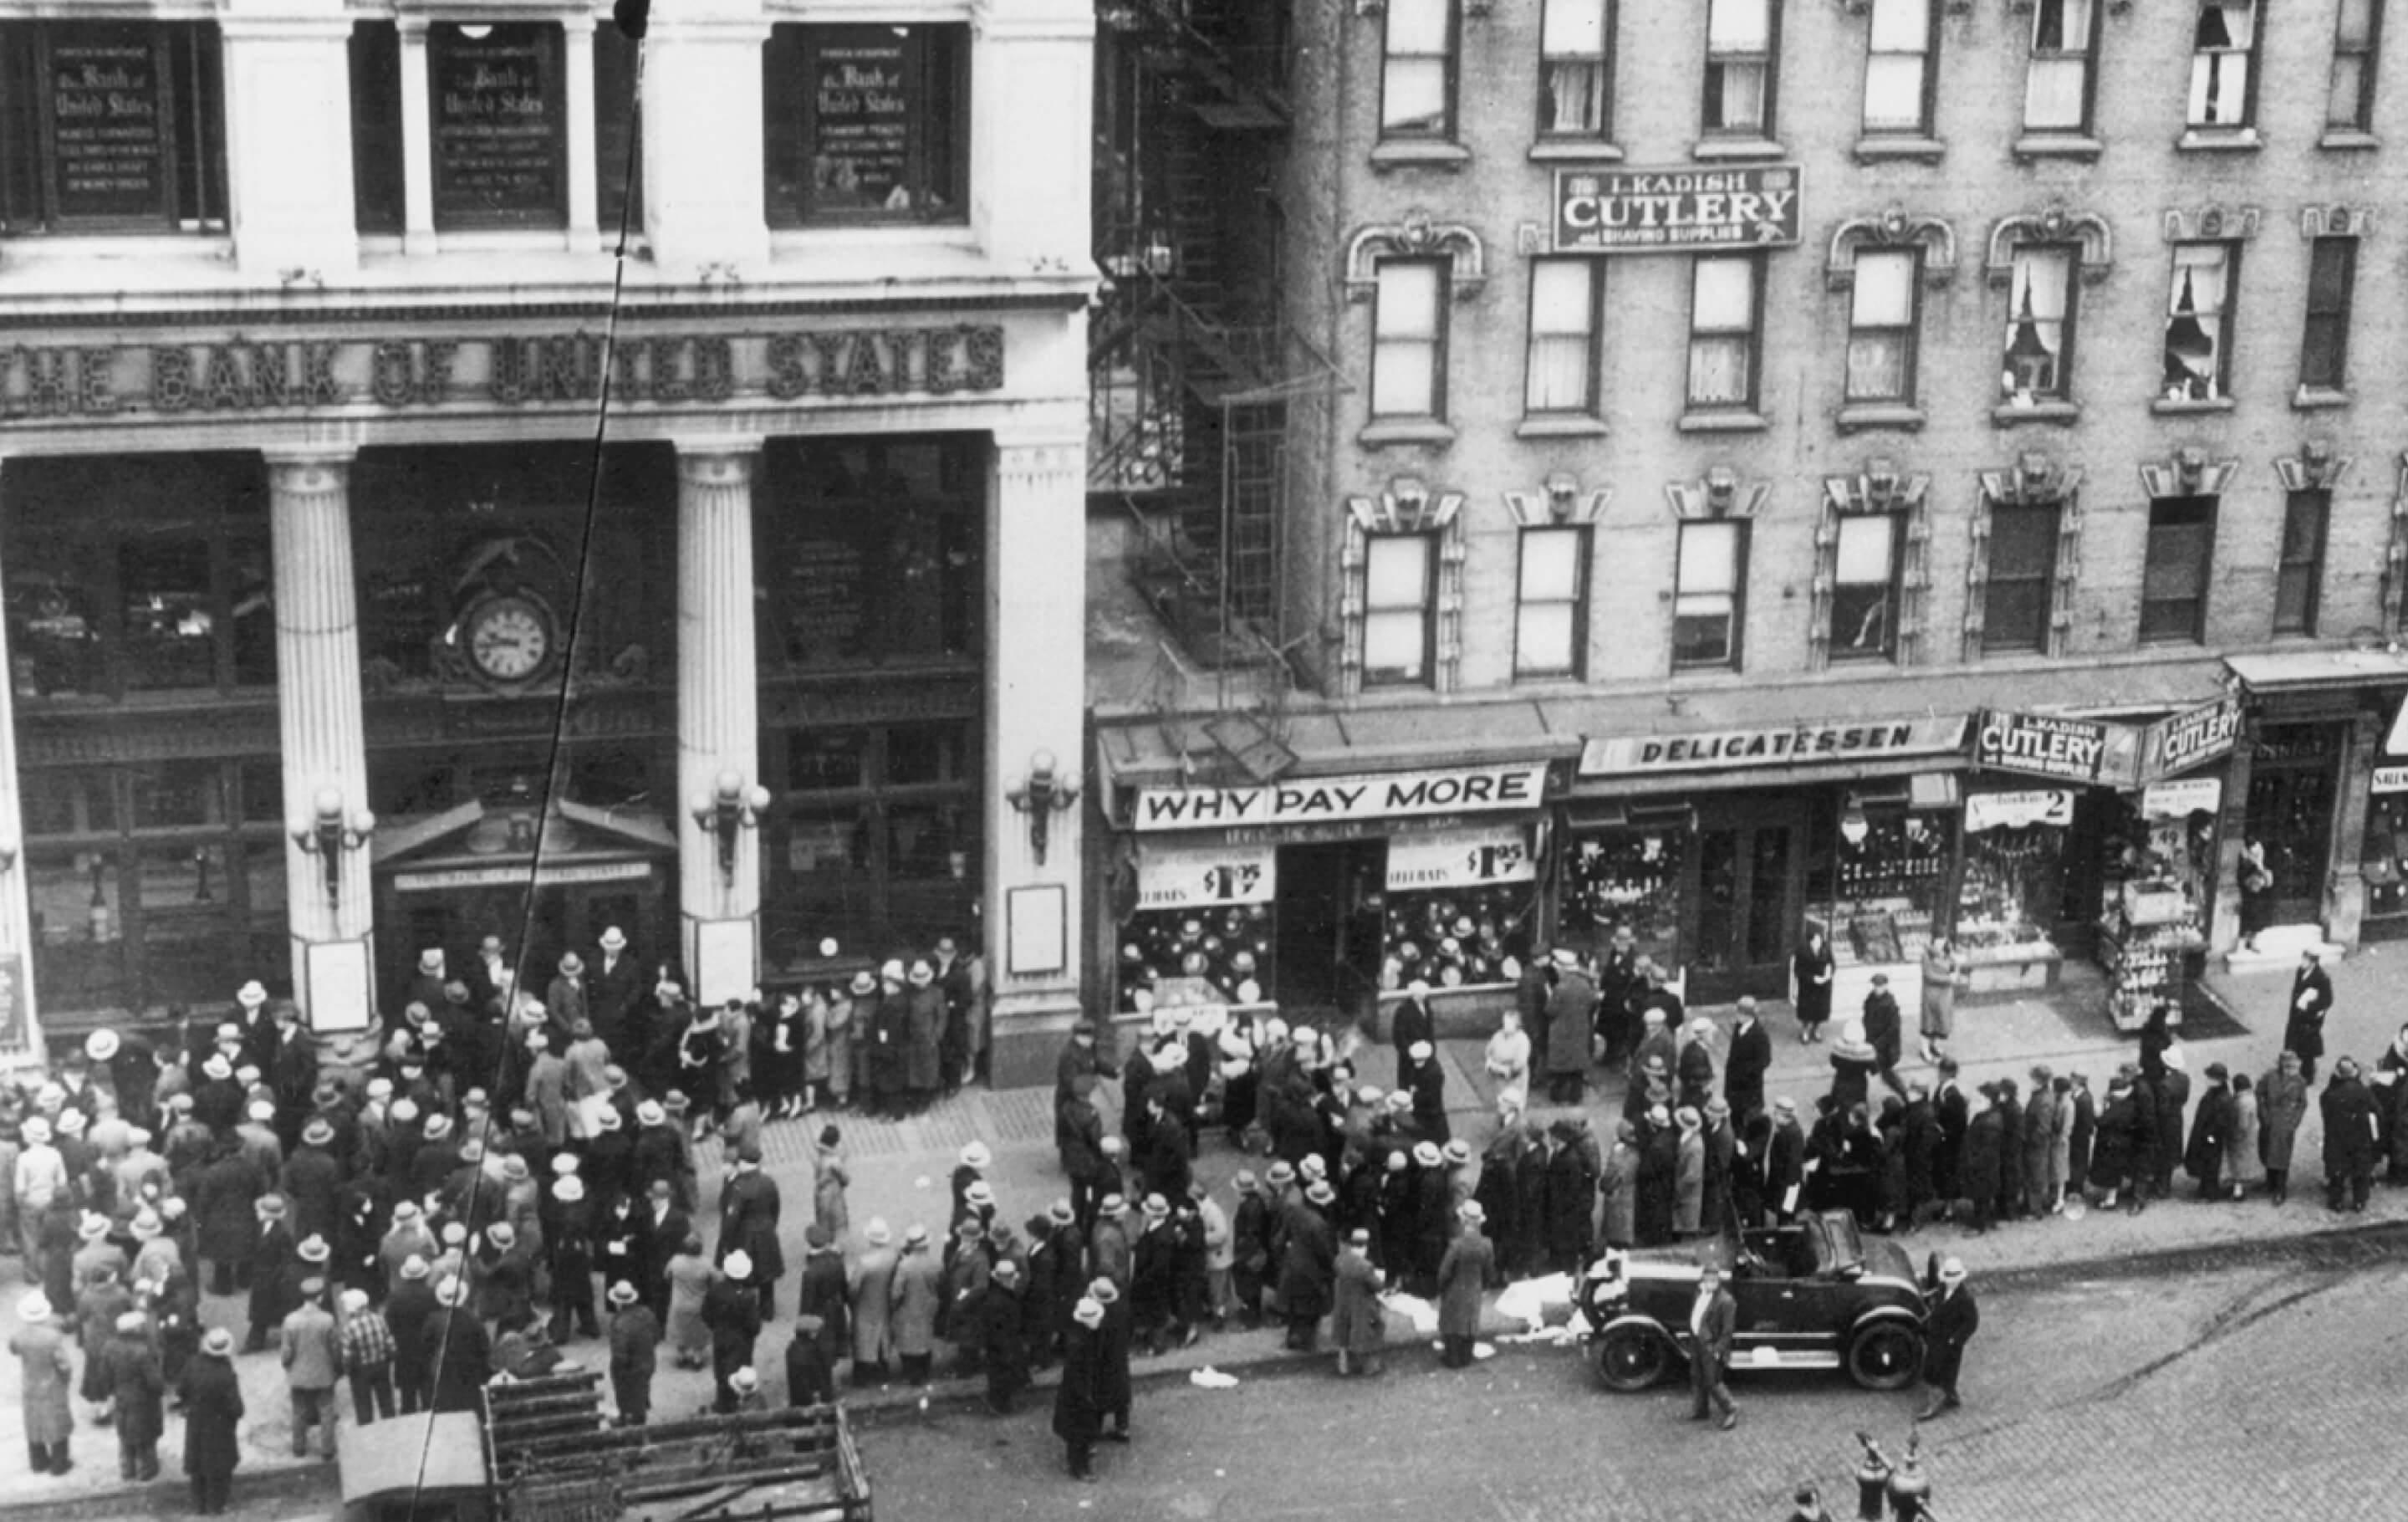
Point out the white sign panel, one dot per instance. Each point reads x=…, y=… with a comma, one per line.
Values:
x=1216, y=875
x=1402, y=795
x=2015, y=811
x=2391, y=779
x=516, y=877
x=1460, y=859
x=1623, y=755
x=2179, y=800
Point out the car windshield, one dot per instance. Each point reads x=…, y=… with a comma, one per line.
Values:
x=1841, y=1248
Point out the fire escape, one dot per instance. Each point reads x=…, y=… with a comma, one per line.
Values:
x=1192, y=371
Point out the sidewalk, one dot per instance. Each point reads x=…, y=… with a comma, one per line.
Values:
x=901, y=1172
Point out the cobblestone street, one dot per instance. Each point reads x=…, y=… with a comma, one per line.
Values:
x=2274, y=1382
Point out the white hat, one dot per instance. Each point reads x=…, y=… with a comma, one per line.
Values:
x=651, y=1114
x=100, y=1045
x=564, y=1162
x=879, y=1233
x=253, y=996
x=1953, y=1271
x=34, y=1307
x=568, y=1189
x=217, y=1068
x=36, y=1130
x=737, y=1264
x=975, y=1155
x=614, y=939
x=2175, y=1059
x=263, y=1110
x=744, y=1380
x=1419, y=1051
x=1088, y=1312
x=451, y=1291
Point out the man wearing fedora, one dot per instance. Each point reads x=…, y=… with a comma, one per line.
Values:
x=635, y=1354
x=1953, y=1320
x=407, y=1311
x=47, y=1371
x=457, y=1353
x=311, y=1354
x=1713, y=1321
x=616, y=987
x=271, y=1262
x=212, y=1423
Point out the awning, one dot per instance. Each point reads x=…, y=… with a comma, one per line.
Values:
x=2311, y=670
x=1343, y=741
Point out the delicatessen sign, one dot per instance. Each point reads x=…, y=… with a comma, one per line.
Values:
x=1669, y=211
x=1314, y=799
x=1623, y=755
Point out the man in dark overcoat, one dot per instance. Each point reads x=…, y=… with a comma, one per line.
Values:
x=2211, y=1128
x=1953, y=1320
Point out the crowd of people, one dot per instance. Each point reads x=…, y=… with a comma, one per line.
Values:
x=504, y=1175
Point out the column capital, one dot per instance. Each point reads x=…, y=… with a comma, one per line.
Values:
x=717, y=462
x=301, y=470
x=328, y=454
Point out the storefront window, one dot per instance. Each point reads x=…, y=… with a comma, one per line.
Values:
x=2158, y=878
x=875, y=840
x=869, y=553
x=1629, y=877
x=866, y=125
x=1880, y=880
x=1195, y=954
x=2385, y=859
x=1457, y=907
x=112, y=127
x=2013, y=892
x=148, y=574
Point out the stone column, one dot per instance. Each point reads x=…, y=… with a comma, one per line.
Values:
x=584, y=218
x=318, y=693
x=718, y=705
x=702, y=135
x=16, y=917
x=288, y=126
x=417, y=140
x=1035, y=703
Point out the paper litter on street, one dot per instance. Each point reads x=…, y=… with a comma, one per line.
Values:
x=1538, y=1303
x=1421, y=1314
x=1210, y=1378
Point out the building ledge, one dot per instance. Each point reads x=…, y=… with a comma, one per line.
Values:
x=1735, y=421
x=1420, y=156
x=2349, y=140
x=1560, y=427
x=2219, y=140
x=1862, y=415
x=1574, y=150
x=1426, y=431
x=2314, y=398
x=1898, y=146
x=2058, y=145
x=2172, y=407
x=1717, y=149
x=2012, y=414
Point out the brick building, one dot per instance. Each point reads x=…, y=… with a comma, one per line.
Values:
x=342, y=623
x=1894, y=467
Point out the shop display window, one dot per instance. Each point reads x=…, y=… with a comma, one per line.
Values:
x=869, y=553
x=2158, y=891
x=2012, y=890
x=2385, y=858
x=1456, y=938
x=1879, y=879
x=1196, y=954
x=1626, y=878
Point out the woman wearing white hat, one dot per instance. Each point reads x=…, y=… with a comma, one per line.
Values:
x=45, y=1371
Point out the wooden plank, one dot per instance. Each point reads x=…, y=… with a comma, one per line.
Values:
x=812, y=1425
x=666, y=1481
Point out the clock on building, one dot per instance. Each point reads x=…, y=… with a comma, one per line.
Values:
x=510, y=637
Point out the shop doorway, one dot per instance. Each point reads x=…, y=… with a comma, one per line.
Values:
x=1751, y=873
x=1329, y=961
x=2291, y=814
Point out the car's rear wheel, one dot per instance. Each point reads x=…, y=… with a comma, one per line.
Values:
x=1884, y=1356
x=1632, y=1358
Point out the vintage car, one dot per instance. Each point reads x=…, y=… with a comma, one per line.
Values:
x=1811, y=1295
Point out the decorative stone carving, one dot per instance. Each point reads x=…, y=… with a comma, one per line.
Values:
x=1720, y=492
x=2055, y=224
x=1881, y=488
x=2211, y=223
x=2034, y=481
x=2188, y=473
x=1558, y=502
x=1892, y=229
x=1407, y=507
x=1417, y=236
x=2314, y=468
x=2336, y=220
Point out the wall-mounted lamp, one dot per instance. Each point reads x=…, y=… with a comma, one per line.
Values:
x=1854, y=826
x=329, y=831
x=1042, y=795
x=727, y=808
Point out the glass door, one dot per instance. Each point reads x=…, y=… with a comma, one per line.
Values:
x=1750, y=871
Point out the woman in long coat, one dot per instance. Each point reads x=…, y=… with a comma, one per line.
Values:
x=1810, y=969
x=1689, y=1176
x=869, y=1285
x=2242, y=1166
x=2282, y=1104
x=829, y=1176
x=2111, y=1144
x=1619, y=1184
x=1356, y=1324
x=48, y=1371
x=923, y=1071
x=813, y=1033
x=1462, y=1274
x=690, y=1274
x=2041, y=1127
x=212, y=1421
x=1941, y=970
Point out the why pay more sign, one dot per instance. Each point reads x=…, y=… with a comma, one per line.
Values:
x=1675, y=209
x=1317, y=799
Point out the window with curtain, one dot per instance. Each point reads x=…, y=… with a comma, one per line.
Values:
x=1551, y=625
x=1723, y=312
x=1399, y=577
x=2299, y=571
x=2023, y=576
x=2224, y=48
x=2174, y=578
x=1562, y=366
x=1881, y=327
x=1575, y=67
x=1740, y=66
x=2349, y=100
x=2324, y=347
x=2039, y=322
x=1706, y=603
x=2057, y=84
x=1408, y=339
x=1864, y=588
x=2198, y=321
x=1897, y=70
x=1417, y=72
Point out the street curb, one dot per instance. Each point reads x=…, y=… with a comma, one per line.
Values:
x=173, y=1497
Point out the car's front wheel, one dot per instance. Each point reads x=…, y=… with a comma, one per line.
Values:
x=1632, y=1358
x=1884, y=1356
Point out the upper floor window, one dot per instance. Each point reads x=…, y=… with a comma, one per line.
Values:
x=2039, y=322
x=1409, y=339
x=2324, y=347
x=867, y=124
x=2057, y=84
x=2174, y=576
x=2198, y=321
x=1399, y=603
x=1706, y=599
x=2298, y=570
x=1742, y=43
x=2224, y=51
x=1881, y=327
x=1865, y=587
x=1417, y=73
x=112, y=127
x=1551, y=615
x=1726, y=316
x=1562, y=366
x=1899, y=71
x=1575, y=68
x=2022, y=584
x=2349, y=103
